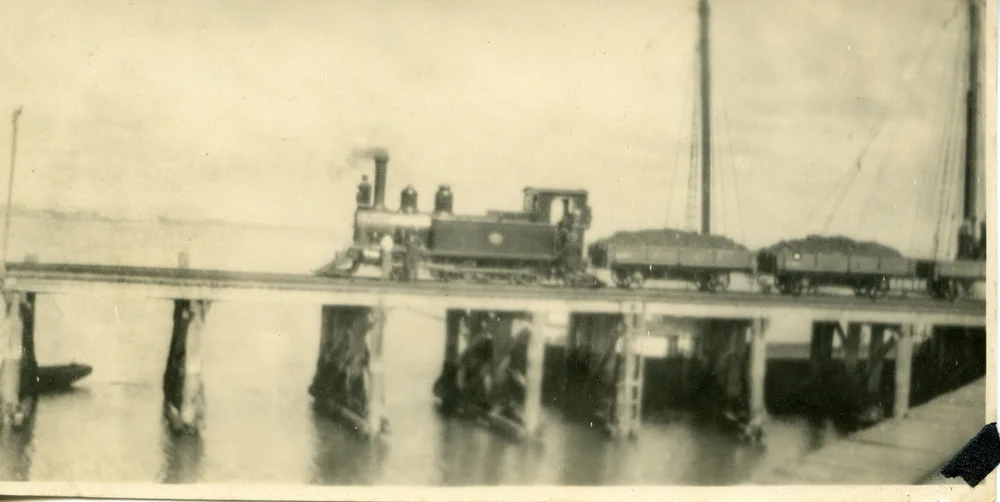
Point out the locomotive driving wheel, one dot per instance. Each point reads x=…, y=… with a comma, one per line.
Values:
x=796, y=286
x=635, y=280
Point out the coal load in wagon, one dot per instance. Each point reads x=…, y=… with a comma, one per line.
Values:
x=834, y=244
x=667, y=237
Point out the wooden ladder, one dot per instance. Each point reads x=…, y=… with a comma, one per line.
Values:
x=630, y=385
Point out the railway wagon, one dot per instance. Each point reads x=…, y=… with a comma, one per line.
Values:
x=631, y=264
x=868, y=275
x=951, y=279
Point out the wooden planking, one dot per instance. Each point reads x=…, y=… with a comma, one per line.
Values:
x=898, y=451
x=297, y=288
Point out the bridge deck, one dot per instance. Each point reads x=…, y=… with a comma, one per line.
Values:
x=301, y=288
x=898, y=451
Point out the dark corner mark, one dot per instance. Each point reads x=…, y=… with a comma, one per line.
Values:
x=977, y=458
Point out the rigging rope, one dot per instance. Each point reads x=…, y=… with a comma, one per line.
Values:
x=949, y=151
x=918, y=60
x=721, y=188
x=677, y=158
x=736, y=178
x=882, y=165
x=931, y=180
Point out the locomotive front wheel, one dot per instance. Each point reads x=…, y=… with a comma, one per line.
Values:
x=951, y=291
x=635, y=280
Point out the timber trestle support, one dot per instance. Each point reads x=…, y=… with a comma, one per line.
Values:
x=493, y=369
x=349, y=379
x=856, y=386
x=731, y=357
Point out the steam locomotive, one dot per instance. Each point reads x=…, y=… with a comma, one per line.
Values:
x=541, y=244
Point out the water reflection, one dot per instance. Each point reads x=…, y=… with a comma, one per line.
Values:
x=182, y=456
x=17, y=451
x=341, y=457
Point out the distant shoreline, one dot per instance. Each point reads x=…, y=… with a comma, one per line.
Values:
x=91, y=216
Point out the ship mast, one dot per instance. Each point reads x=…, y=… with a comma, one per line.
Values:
x=972, y=186
x=972, y=117
x=706, y=118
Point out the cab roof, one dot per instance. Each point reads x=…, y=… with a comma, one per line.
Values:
x=555, y=191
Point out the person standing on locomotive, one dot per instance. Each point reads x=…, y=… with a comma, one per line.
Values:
x=570, y=247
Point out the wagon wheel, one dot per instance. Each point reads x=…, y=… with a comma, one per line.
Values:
x=723, y=281
x=782, y=285
x=795, y=287
x=860, y=289
x=951, y=290
x=468, y=275
x=709, y=282
x=620, y=277
x=885, y=285
x=872, y=291
x=635, y=280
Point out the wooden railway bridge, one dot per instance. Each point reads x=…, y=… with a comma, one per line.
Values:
x=605, y=325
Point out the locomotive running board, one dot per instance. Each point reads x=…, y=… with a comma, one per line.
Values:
x=477, y=270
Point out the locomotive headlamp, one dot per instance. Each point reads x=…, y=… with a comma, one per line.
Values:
x=796, y=256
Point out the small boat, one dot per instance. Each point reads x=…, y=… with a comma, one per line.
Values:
x=61, y=377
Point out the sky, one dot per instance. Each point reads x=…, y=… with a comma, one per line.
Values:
x=250, y=110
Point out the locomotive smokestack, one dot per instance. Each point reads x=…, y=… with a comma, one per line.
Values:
x=381, y=171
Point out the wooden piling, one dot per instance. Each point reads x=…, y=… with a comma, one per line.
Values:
x=446, y=387
x=11, y=343
x=821, y=348
x=375, y=342
x=183, y=388
x=349, y=380
x=904, y=364
x=29, y=361
x=878, y=348
x=535, y=369
x=735, y=361
x=757, y=373
x=852, y=348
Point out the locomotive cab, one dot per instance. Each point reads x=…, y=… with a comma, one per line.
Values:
x=557, y=206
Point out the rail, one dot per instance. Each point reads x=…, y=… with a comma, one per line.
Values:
x=222, y=285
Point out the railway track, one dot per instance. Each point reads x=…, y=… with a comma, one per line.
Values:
x=26, y=276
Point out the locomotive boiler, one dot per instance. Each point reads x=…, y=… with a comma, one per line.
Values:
x=541, y=243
